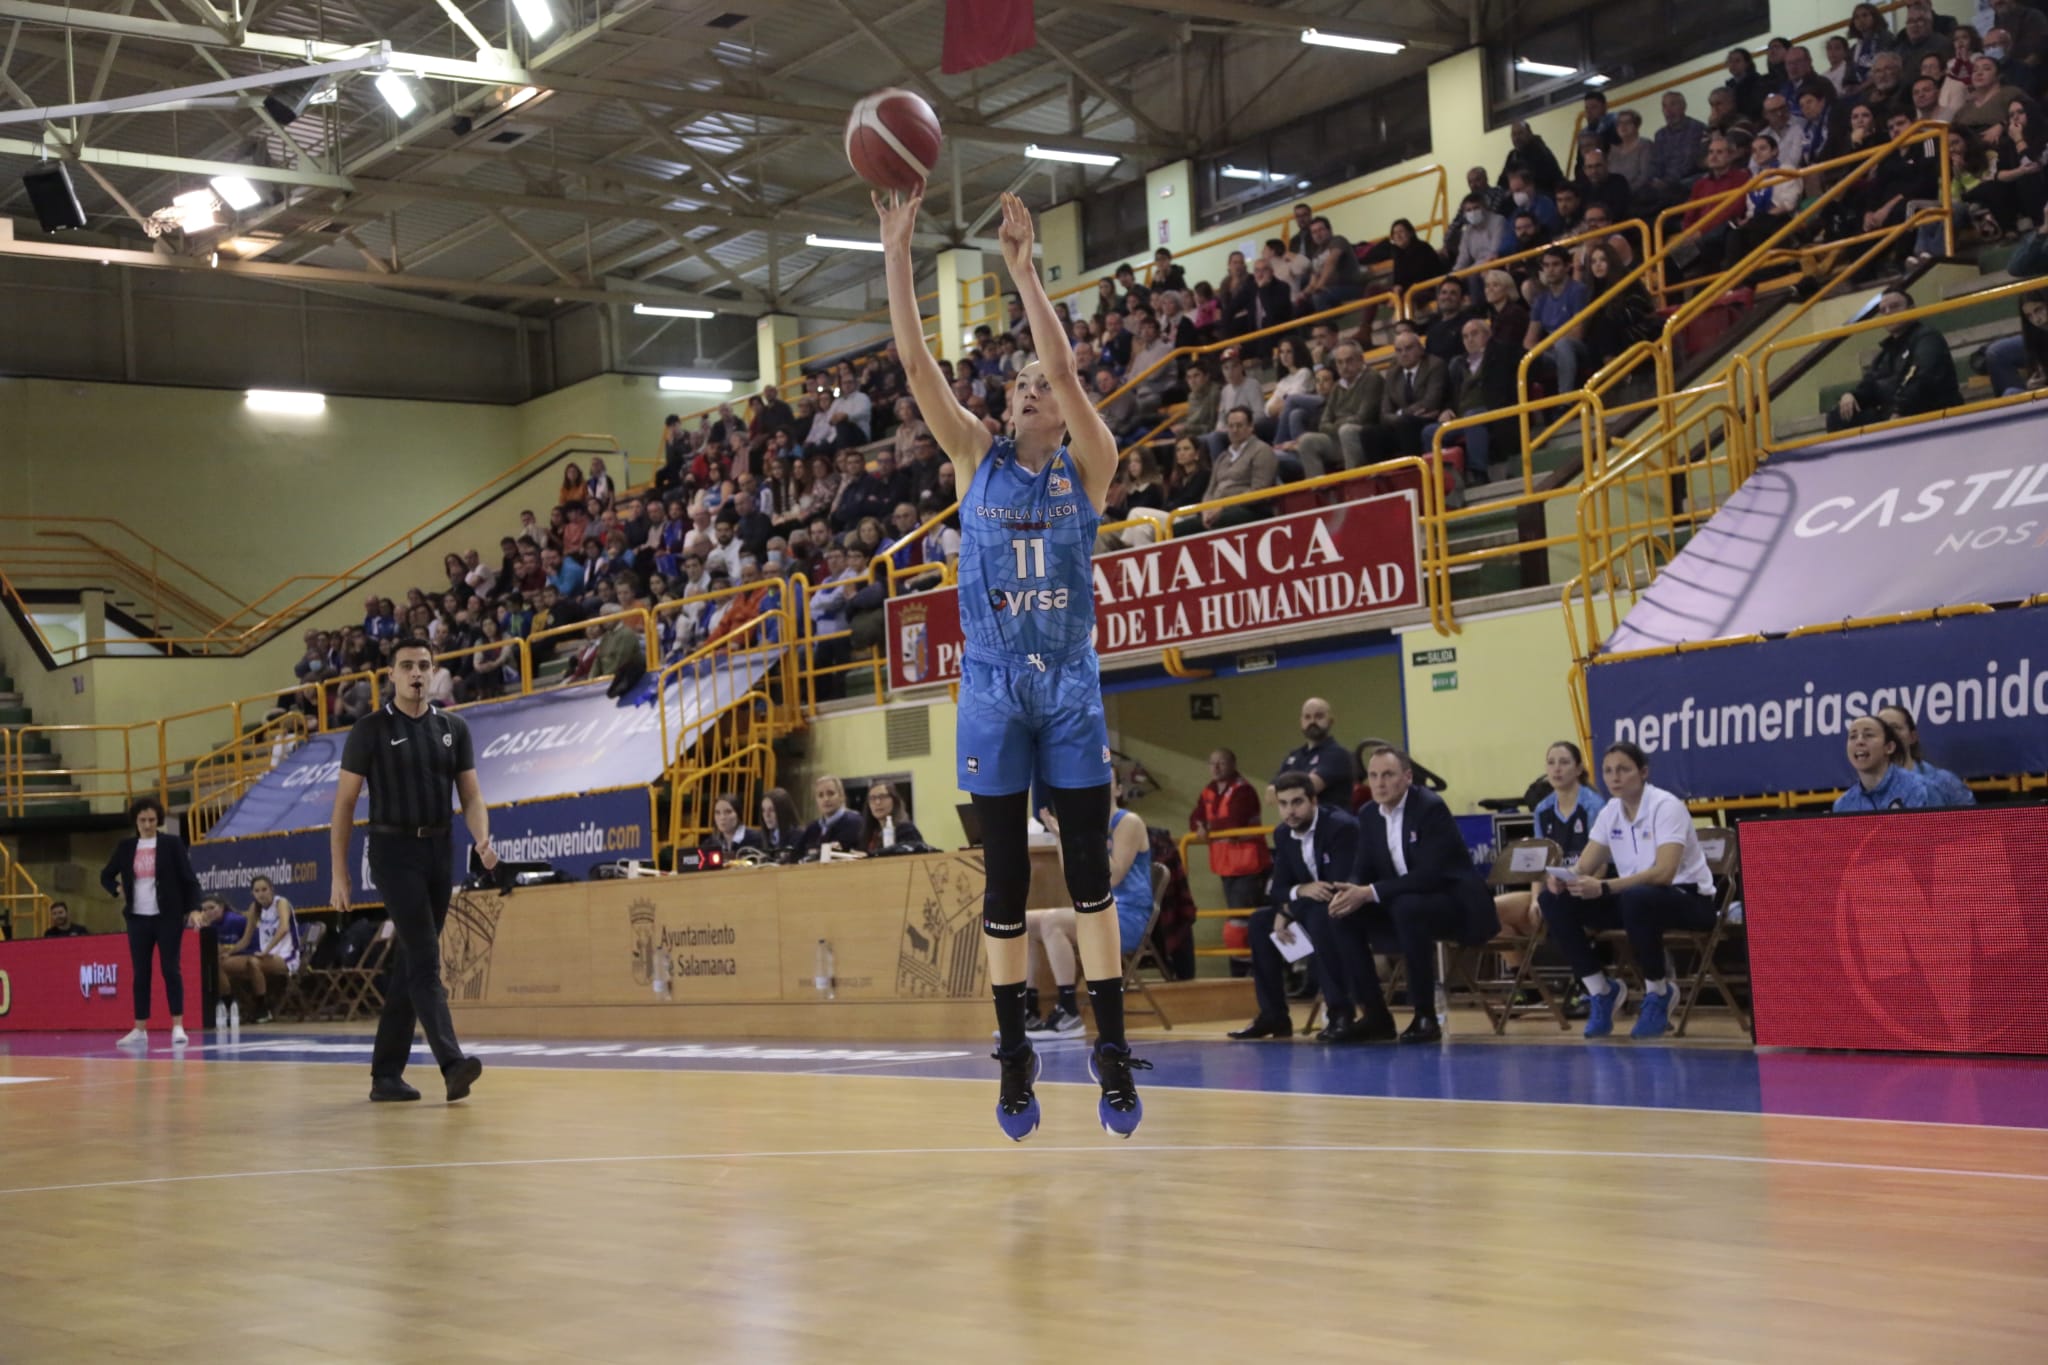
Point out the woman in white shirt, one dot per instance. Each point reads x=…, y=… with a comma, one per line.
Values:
x=1658, y=881
x=152, y=874
x=1296, y=380
x=269, y=947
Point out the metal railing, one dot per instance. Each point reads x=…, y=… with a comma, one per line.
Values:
x=22, y=902
x=790, y=358
x=105, y=553
x=1281, y=224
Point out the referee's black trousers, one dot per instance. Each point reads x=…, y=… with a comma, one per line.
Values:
x=413, y=878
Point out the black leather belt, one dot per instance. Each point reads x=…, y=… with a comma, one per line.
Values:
x=411, y=831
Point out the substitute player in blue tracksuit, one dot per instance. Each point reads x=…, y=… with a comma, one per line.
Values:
x=1030, y=690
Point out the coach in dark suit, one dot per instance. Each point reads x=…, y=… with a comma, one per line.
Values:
x=1415, y=876
x=1315, y=847
x=152, y=874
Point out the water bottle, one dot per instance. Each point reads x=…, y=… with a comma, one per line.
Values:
x=662, y=986
x=235, y=1014
x=822, y=980
x=1443, y=1005
x=889, y=832
x=220, y=1014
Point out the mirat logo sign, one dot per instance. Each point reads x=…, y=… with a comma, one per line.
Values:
x=99, y=978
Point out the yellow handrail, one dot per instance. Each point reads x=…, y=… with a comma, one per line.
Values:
x=789, y=357
x=224, y=638
x=1439, y=218
x=26, y=906
x=1761, y=360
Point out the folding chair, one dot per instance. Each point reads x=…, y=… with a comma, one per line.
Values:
x=355, y=988
x=298, y=998
x=1521, y=864
x=1719, y=845
x=1147, y=954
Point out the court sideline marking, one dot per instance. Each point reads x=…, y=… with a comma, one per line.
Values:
x=839, y=1154
x=1582, y=1106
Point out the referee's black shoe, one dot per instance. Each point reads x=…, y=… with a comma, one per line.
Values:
x=461, y=1076
x=391, y=1090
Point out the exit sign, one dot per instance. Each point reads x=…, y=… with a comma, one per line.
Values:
x=1430, y=658
x=1444, y=682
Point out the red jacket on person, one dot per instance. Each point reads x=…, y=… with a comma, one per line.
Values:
x=1232, y=805
x=1707, y=186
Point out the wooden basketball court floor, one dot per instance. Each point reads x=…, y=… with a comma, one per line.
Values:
x=1541, y=1199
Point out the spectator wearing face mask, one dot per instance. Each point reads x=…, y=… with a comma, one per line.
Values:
x=1484, y=232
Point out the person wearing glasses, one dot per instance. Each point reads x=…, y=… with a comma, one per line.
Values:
x=1642, y=871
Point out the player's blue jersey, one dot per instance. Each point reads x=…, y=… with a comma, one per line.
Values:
x=1027, y=585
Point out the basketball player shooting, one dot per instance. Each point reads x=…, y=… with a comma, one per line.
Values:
x=1030, y=687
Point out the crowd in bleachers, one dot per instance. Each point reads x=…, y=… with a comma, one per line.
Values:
x=823, y=481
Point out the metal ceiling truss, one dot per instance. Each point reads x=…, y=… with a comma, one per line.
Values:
x=330, y=192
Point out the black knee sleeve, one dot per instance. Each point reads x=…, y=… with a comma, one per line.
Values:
x=1083, y=814
x=1006, y=862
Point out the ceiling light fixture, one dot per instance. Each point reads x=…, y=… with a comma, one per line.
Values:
x=1597, y=81
x=1317, y=39
x=841, y=243
x=397, y=94
x=236, y=192
x=1529, y=68
x=537, y=15
x=1038, y=153
x=694, y=383
x=650, y=310
x=521, y=96
x=285, y=402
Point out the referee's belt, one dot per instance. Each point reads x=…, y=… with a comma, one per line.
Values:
x=410, y=831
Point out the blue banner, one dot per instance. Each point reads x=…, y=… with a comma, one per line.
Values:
x=556, y=743
x=1749, y=720
x=1927, y=516
x=575, y=834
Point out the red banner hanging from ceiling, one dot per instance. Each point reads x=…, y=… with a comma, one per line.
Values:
x=982, y=31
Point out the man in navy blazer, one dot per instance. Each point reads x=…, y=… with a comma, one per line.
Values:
x=1415, y=877
x=1315, y=848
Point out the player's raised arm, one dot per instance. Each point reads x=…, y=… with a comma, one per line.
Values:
x=1088, y=439
x=959, y=432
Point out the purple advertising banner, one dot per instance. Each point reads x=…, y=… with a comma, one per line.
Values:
x=575, y=834
x=1755, y=719
x=1928, y=516
x=558, y=743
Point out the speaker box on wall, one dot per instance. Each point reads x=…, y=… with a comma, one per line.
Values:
x=56, y=203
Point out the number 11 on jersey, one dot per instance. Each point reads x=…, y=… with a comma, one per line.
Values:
x=1030, y=556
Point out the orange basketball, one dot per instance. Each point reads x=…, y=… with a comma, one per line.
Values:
x=892, y=140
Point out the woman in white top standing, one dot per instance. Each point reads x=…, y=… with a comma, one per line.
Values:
x=152, y=873
x=1658, y=880
x=269, y=947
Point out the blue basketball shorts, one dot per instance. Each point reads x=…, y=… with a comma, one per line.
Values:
x=1019, y=722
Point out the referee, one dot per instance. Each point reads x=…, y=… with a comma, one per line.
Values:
x=411, y=752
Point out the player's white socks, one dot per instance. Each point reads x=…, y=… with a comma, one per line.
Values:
x=1596, y=984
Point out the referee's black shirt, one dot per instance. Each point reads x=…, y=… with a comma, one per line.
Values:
x=410, y=765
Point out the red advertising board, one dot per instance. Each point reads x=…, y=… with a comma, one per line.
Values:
x=1331, y=564
x=1912, y=931
x=86, y=983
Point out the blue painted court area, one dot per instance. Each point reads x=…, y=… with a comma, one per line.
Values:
x=1994, y=1092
